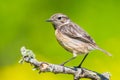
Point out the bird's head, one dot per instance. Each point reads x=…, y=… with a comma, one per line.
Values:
x=58, y=19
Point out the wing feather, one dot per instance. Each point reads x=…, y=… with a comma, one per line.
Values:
x=74, y=31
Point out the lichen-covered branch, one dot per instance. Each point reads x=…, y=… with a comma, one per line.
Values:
x=29, y=57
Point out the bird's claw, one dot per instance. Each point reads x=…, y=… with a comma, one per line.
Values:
x=62, y=64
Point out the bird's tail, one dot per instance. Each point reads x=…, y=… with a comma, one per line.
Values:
x=104, y=51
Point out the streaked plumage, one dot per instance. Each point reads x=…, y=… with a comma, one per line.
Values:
x=72, y=37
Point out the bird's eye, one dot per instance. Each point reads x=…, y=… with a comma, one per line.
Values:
x=59, y=18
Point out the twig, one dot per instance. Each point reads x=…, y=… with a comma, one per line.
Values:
x=78, y=73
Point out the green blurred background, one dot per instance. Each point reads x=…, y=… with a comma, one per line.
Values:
x=22, y=23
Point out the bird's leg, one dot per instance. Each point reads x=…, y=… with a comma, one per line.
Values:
x=79, y=66
x=67, y=61
x=74, y=56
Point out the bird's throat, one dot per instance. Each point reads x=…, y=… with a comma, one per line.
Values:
x=54, y=26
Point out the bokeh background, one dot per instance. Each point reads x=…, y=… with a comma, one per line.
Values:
x=22, y=23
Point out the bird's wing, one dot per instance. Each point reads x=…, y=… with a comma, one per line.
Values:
x=74, y=31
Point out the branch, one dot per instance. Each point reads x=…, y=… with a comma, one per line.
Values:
x=78, y=73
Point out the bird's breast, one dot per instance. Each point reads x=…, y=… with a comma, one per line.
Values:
x=70, y=44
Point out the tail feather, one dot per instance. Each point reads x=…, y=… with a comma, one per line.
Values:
x=109, y=54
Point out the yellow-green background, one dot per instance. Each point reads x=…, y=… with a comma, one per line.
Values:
x=22, y=23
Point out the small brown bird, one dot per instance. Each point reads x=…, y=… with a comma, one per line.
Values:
x=72, y=37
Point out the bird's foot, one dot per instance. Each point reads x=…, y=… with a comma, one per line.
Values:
x=77, y=66
x=62, y=64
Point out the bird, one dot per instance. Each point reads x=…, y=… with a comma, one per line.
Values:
x=72, y=37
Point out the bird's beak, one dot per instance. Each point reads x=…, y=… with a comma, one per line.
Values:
x=49, y=20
